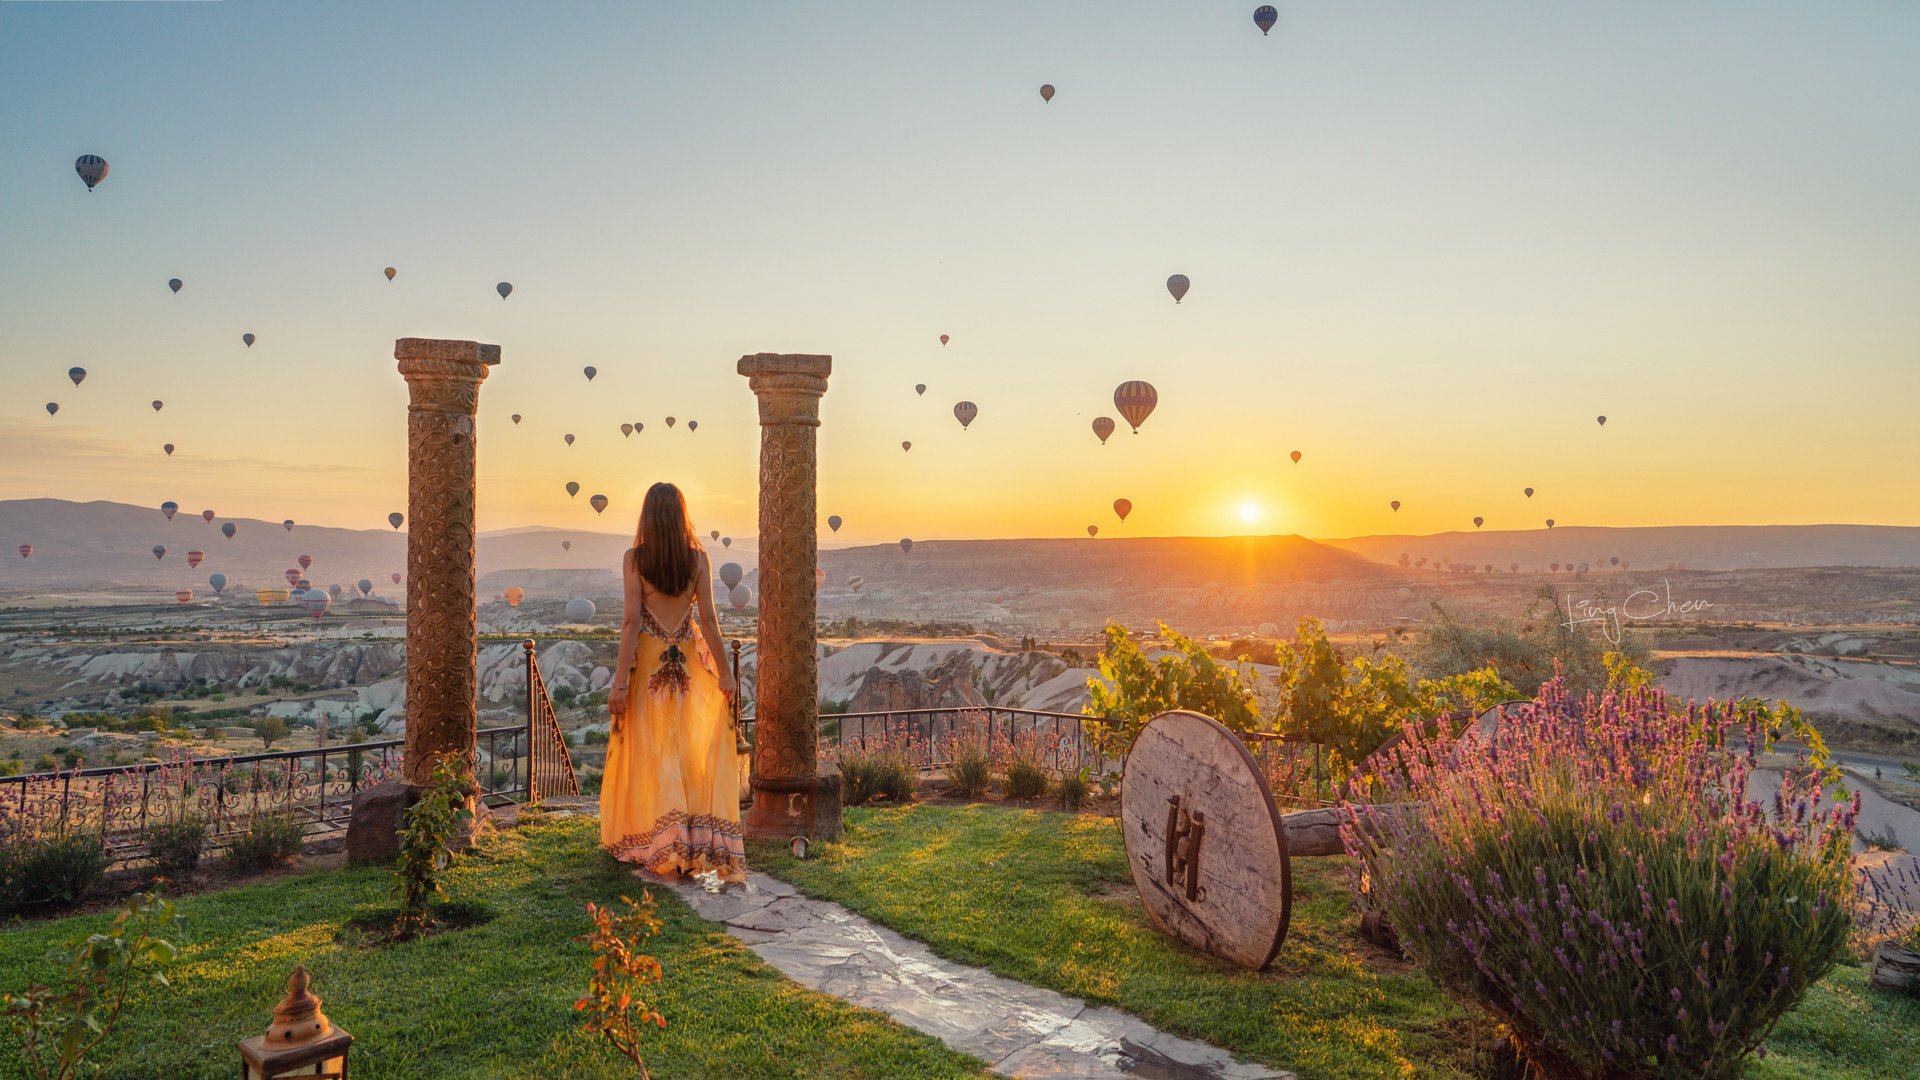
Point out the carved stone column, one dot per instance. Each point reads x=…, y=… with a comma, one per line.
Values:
x=791, y=792
x=443, y=380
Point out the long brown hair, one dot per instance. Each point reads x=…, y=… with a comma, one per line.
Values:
x=666, y=550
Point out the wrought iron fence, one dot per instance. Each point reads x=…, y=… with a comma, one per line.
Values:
x=550, y=767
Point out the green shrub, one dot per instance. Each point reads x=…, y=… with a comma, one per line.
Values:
x=1074, y=787
x=12, y=767
x=1023, y=761
x=969, y=771
x=30, y=722
x=836, y=708
x=58, y=869
x=1603, y=888
x=271, y=837
x=594, y=738
x=426, y=842
x=1529, y=651
x=45, y=763
x=175, y=845
x=590, y=781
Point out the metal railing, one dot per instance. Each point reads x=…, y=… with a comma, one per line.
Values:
x=549, y=766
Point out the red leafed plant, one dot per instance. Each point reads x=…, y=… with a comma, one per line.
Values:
x=620, y=971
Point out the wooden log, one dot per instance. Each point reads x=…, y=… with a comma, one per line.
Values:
x=1317, y=832
x=1894, y=968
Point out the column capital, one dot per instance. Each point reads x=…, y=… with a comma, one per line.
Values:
x=421, y=348
x=789, y=386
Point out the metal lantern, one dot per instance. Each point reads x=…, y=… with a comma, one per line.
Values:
x=300, y=1042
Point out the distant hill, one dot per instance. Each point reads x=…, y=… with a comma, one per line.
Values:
x=1161, y=562
x=1698, y=547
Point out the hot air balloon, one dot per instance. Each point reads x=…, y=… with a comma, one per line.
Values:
x=1515, y=568
x=305, y=561
x=693, y=425
x=920, y=388
x=1395, y=504
x=516, y=418
x=714, y=535
x=1602, y=419
x=598, y=502
x=77, y=374
x=1135, y=400
x=906, y=545
x=390, y=272
x=396, y=579
x=669, y=421
x=964, y=412
x=819, y=577
x=92, y=169
x=626, y=430
x=1093, y=530
x=184, y=596
x=1103, y=427
x=219, y=582
x=905, y=445
x=590, y=371
x=26, y=550
x=999, y=599
x=194, y=558
x=1295, y=456
x=248, y=338
x=159, y=551
x=207, y=516
x=288, y=524
x=741, y=597
x=394, y=519
x=316, y=602
x=302, y=585
x=365, y=585
x=1264, y=17
x=334, y=591
x=174, y=284
x=1122, y=507
x=169, y=508
x=731, y=574
x=638, y=426
x=1178, y=285
x=573, y=488
x=264, y=595
x=157, y=404
x=503, y=289
x=1405, y=593
x=1615, y=560
x=1556, y=567
x=1046, y=94
x=228, y=529
x=833, y=522
x=1549, y=523
x=943, y=339
x=292, y=576
x=1528, y=492
x=168, y=447
x=1477, y=522
x=1065, y=615
x=580, y=610
x=52, y=407
x=726, y=541
x=855, y=582
x=569, y=439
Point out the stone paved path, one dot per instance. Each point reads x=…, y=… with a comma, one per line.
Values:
x=1019, y=1030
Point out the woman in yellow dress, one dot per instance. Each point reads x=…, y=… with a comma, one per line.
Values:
x=670, y=799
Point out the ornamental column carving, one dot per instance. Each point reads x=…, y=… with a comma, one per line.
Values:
x=791, y=792
x=443, y=382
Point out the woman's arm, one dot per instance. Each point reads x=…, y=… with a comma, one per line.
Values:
x=710, y=624
x=629, y=638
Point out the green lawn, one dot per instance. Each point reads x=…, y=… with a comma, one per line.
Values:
x=1027, y=893
x=491, y=1001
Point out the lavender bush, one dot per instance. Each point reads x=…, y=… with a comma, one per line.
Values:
x=1596, y=879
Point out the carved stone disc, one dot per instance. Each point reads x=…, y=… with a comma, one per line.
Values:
x=1232, y=893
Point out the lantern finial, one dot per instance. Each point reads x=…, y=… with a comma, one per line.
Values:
x=298, y=1019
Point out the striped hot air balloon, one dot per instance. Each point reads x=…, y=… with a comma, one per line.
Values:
x=598, y=502
x=195, y=558
x=964, y=412
x=288, y=524
x=1103, y=427
x=92, y=169
x=1135, y=400
x=1264, y=17
x=207, y=516
x=26, y=550
x=169, y=509
x=305, y=561
x=184, y=596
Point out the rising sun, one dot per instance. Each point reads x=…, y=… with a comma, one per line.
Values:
x=1249, y=511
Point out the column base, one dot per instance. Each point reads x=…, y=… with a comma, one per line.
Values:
x=786, y=806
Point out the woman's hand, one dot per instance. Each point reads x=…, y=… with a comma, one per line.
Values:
x=617, y=705
x=727, y=684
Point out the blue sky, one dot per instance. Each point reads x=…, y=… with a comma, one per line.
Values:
x=1428, y=244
